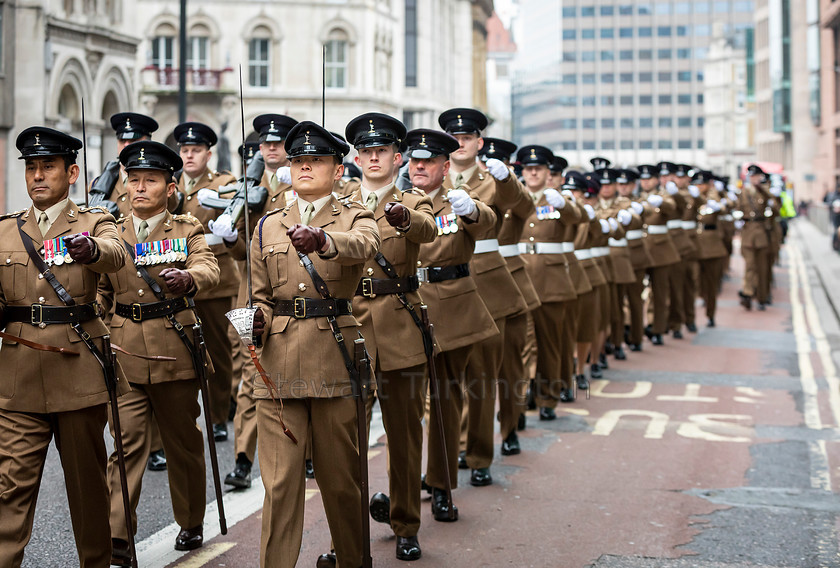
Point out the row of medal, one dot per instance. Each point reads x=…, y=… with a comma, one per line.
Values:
x=160, y=252
x=447, y=224
x=547, y=212
x=55, y=253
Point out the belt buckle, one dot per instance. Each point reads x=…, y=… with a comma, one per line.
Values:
x=531, y=248
x=36, y=316
x=300, y=308
x=423, y=274
x=367, y=288
x=136, y=312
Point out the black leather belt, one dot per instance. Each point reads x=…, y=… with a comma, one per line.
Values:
x=305, y=308
x=709, y=227
x=152, y=310
x=442, y=273
x=370, y=287
x=40, y=315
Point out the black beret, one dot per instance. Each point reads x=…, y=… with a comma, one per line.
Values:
x=558, y=165
x=308, y=138
x=273, y=127
x=647, y=171
x=38, y=141
x=599, y=163
x=462, y=121
x=424, y=143
x=497, y=148
x=133, y=126
x=194, y=133
x=375, y=129
x=535, y=155
x=148, y=155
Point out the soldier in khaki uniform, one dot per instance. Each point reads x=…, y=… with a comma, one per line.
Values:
x=711, y=251
x=460, y=318
x=394, y=340
x=498, y=188
x=543, y=246
x=141, y=321
x=691, y=196
x=273, y=130
x=194, y=141
x=36, y=402
x=756, y=211
x=301, y=354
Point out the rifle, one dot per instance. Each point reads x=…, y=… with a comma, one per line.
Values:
x=199, y=354
x=256, y=195
x=361, y=384
x=104, y=183
x=434, y=389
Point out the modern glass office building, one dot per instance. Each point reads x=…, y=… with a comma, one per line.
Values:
x=617, y=78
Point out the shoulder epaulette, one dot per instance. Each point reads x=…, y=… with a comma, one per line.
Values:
x=15, y=214
x=94, y=209
x=122, y=220
x=186, y=219
x=414, y=191
x=350, y=204
x=278, y=210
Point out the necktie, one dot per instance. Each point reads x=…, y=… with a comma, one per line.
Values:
x=535, y=197
x=273, y=183
x=372, y=201
x=190, y=185
x=308, y=213
x=459, y=180
x=143, y=232
x=43, y=223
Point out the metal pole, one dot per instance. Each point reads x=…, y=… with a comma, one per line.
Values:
x=182, y=64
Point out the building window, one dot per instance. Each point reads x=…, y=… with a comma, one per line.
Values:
x=665, y=145
x=588, y=33
x=684, y=99
x=684, y=122
x=625, y=54
x=590, y=145
x=700, y=52
x=645, y=32
x=644, y=9
x=664, y=77
x=682, y=8
x=700, y=99
x=645, y=100
x=162, y=52
x=258, y=61
x=570, y=79
x=700, y=76
x=336, y=61
x=701, y=30
x=570, y=56
x=684, y=76
x=587, y=56
x=626, y=123
x=607, y=55
x=645, y=144
x=587, y=11
x=645, y=54
x=568, y=11
x=606, y=10
x=664, y=99
x=625, y=78
x=682, y=31
x=742, y=7
x=608, y=145
x=568, y=145
x=701, y=7
x=626, y=100
x=588, y=78
x=626, y=144
x=665, y=122
x=607, y=100
x=567, y=101
x=588, y=101
x=663, y=54
x=701, y=121
x=663, y=31
x=683, y=53
x=569, y=34
x=607, y=123
x=588, y=123
x=663, y=8
x=197, y=53
x=569, y=123
x=684, y=144
x=645, y=77
x=607, y=33
x=607, y=78
x=701, y=144
x=625, y=10
x=721, y=7
x=625, y=32
x=646, y=122
x=410, y=43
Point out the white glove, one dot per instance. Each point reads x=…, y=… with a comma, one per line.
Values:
x=713, y=205
x=739, y=224
x=589, y=211
x=284, y=175
x=568, y=195
x=624, y=217
x=497, y=169
x=671, y=188
x=613, y=224
x=638, y=208
x=554, y=198
x=605, y=226
x=732, y=196
x=461, y=202
x=718, y=185
x=771, y=202
x=206, y=193
x=776, y=191
x=655, y=200
x=221, y=227
x=693, y=191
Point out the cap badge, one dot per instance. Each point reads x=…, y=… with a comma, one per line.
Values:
x=190, y=133
x=492, y=149
x=306, y=138
x=533, y=154
x=142, y=157
x=423, y=140
x=37, y=139
x=128, y=123
x=460, y=122
x=372, y=130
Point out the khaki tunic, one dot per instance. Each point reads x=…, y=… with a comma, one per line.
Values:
x=661, y=247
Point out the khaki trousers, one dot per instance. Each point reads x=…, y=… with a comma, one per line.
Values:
x=215, y=326
x=554, y=371
x=691, y=276
x=513, y=384
x=676, y=309
x=245, y=420
x=711, y=272
x=616, y=314
x=175, y=406
x=332, y=424
x=450, y=367
x=660, y=284
x=633, y=292
x=757, y=272
x=24, y=441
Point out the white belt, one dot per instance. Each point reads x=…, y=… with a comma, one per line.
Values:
x=727, y=217
x=618, y=242
x=657, y=230
x=635, y=234
x=689, y=225
x=583, y=254
x=486, y=245
x=674, y=224
x=213, y=239
x=544, y=248
x=600, y=251
x=508, y=251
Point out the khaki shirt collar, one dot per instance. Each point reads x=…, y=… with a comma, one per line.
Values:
x=52, y=212
x=153, y=222
x=318, y=203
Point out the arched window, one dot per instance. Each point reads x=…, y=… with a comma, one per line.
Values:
x=198, y=48
x=336, y=59
x=259, y=57
x=163, y=47
x=68, y=103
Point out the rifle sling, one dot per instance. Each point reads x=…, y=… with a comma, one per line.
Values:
x=389, y=270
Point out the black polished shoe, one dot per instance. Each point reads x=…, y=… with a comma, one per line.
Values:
x=190, y=539
x=326, y=560
x=547, y=413
x=510, y=445
x=440, y=507
x=677, y=334
x=120, y=553
x=522, y=423
x=220, y=433
x=595, y=371
x=691, y=327
x=602, y=362
x=156, y=461
x=620, y=354
x=567, y=395
x=657, y=339
x=582, y=382
x=462, y=460
x=380, y=508
x=530, y=397
x=649, y=331
x=425, y=486
x=310, y=470
x=635, y=346
x=408, y=548
x=711, y=322
x=481, y=477
x=762, y=306
x=746, y=301
x=609, y=348
x=240, y=477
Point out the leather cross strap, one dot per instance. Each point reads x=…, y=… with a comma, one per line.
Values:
x=37, y=346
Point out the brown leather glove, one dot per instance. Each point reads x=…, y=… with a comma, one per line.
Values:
x=307, y=239
x=178, y=281
x=259, y=323
x=396, y=214
x=82, y=249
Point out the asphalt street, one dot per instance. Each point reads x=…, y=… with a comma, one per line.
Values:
x=719, y=450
